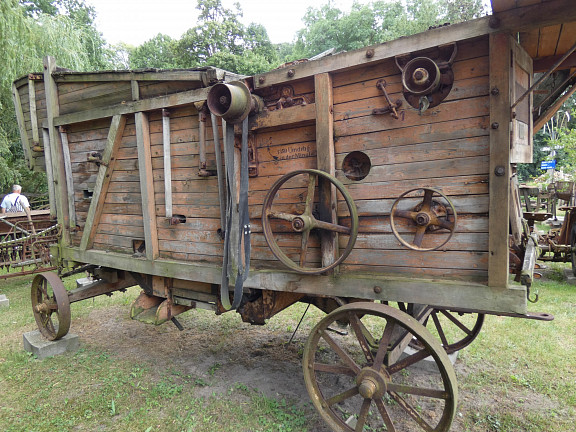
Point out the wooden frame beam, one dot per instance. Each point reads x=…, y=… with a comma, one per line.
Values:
x=170, y=101
x=412, y=290
x=58, y=168
x=147, y=185
x=22, y=127
x=499, y=175
x=103, y=180
x=326, y=160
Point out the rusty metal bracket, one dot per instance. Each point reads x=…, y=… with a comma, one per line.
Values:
x=96, y=157
x=392, y=107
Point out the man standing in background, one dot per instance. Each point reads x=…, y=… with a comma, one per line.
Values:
x=16, y=202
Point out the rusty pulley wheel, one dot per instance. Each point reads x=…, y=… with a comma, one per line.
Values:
x=297, y=213
x=434, y=214
x=368, y=379
x=51, y=306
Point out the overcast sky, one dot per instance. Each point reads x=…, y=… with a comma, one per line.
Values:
x=136, y=21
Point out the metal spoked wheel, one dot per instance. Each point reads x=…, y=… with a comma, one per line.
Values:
x=365, y=380
x=51, y=306
x=295, y=214
x=434, y=214
x=455, y=330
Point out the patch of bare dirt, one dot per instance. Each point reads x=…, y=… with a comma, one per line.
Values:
x=254, y=356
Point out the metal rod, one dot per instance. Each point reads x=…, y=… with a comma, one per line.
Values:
x=550, y=95
x=546, y=75
x=300, y=322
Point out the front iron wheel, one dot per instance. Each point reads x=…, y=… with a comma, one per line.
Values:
x=370, y=379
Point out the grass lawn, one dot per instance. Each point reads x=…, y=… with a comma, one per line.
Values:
x=519, y=375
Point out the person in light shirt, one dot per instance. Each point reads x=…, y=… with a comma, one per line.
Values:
x=16, y=202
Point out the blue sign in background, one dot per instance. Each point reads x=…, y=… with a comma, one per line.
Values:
x=544, y=165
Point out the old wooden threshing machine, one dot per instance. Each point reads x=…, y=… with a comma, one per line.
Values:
x=378, y=185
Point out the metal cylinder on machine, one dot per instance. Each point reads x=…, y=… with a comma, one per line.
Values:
x=231, y=101
x=421, y=76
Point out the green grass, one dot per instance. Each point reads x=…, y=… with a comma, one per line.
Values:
x=519, y=375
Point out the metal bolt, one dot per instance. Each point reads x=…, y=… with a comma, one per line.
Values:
x=495, y=91
x=291, y=73
x=499, y=170
x=223, y=100
x=370, y=53
x=495, y=125
x=261, y=79
x=494, y=22
x=377, y=289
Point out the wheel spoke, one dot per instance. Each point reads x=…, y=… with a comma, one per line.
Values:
x=417, y=391
x=310, y=194
x=427, y=203
x=363, y=415
x=457, y=322
x=334, y=369
x=284, y=216
x=385, y=416
x=439, y=329
x=420, y=231
x=304, y=248
x=343, y=396
x=411, y=411
x=406, y=214
x=359, y=329
x=331, y=227
x=341, y=353
x=408, y=361
x=384, y=342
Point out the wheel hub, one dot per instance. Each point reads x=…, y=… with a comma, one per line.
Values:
x=422, y=219
x=371, y=383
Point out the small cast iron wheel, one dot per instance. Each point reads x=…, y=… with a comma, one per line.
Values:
x=573, y=249
x=51, y=306
x=365, y=379
x=455, y=330
x=307, y=221
x=428, y=216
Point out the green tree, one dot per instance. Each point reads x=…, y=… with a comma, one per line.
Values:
x=221, y=40
x=158, y=52
x=380, y=21
x=26, y=36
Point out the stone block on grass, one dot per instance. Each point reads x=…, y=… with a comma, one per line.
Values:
x=4, y=302
x=37, y=344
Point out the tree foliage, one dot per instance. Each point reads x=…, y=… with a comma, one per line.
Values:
x=380, y=21
x=27, y=34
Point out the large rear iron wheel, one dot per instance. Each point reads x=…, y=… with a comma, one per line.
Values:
x=365, y=380
x=51, y=306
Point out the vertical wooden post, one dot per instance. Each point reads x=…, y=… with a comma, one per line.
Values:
x=499, y=175
x=167, y=162
x=68, y=175
x=49, y=173
x=147, y=185
x=326, y=162
x=22, y=127
x=33, y=116
x=53, y=110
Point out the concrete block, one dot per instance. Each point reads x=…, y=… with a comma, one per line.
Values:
x=428, y=364
x=570, y=278
x=4, y=302
x=37, y=344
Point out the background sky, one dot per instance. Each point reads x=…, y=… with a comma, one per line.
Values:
x=136, y=21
